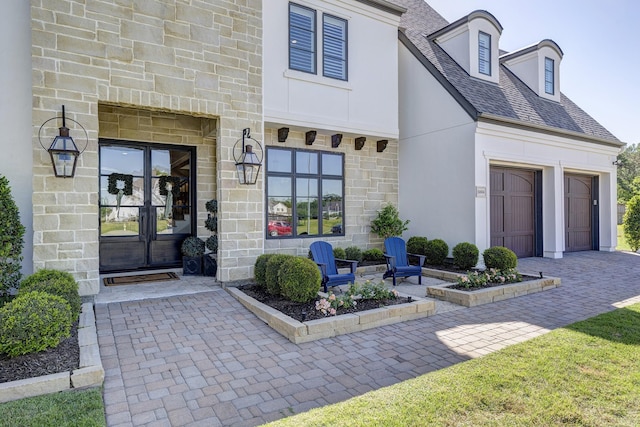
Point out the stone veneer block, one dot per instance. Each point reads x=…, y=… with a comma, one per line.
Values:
x=90, y=355
x=87, y=377
x=401, y=309
x=373, y=316
x=87, y=336
x=30, y=387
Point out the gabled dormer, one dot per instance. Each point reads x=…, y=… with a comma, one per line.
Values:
x=472, y=42
x=538, y=66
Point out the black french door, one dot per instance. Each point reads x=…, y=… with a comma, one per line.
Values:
x=147, y=204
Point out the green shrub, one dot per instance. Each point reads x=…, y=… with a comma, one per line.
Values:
x=299, y=279
x=631, y=223
x=274, y=264
x=11, y=240
x=387, y=222
x=417, y=245
x=436, y=251
x=55, y=282
x=192, y=246
x=353, y=253
x=339, y=253
x=33, y=322
x=374, y=255
x=260, y=269
x=500, y=258
x=212, y=243
x=465, y=255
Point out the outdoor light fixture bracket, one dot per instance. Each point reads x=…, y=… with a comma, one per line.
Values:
x=248, y=158
x=63, y=150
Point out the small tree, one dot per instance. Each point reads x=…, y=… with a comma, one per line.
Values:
x=11, y=240
x=632, y=223
x=388, y=223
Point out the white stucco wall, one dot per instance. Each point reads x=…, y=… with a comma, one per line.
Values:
x=436, y=167
x=530, y=69
x=15, y=113
x=555, y=156
x=365, y=104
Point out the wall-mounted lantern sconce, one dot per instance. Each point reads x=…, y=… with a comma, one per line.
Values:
x=248, y=158
x=336, y=140
x=617, y=162
x=360, y=142
x=63, y=150
x=283, y=133
x=382, y=144
x=309, y=137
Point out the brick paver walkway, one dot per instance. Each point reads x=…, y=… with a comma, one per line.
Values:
x=205, y=360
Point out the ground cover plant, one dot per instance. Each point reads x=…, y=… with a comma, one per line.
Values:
x=586, y=374
x=77, y=408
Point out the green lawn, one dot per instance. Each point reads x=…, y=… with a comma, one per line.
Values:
x=78, y=408
x=587, y=374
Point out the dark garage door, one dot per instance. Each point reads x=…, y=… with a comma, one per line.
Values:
x=513, y=210
x=579, y=203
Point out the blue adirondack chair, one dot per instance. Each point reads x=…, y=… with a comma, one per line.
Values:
x=398, y=261
x=322, y=254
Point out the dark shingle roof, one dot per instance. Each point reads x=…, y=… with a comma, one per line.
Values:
x=511, y=99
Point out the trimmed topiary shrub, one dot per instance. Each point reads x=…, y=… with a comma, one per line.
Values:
x=271, y=274
x=260, y=269
x=299, y=279
x=339, y=253
x=55, y=282
x=11, y=240
x=353, y=253
x=631, y=223
x=417, y=245
x=373, y=255
x=465, y=255
x=212, y=243
x=500, y=258
x=192, y=246
x=33, y=322
x=436, y=251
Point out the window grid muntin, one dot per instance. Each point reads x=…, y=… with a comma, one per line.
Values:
x=319, y=177
x=484, y=53
x=549, y=76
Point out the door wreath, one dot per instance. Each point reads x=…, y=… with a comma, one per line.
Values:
x=120, y=184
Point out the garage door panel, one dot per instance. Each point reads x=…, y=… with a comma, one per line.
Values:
x=578, y=213
x=512, y=198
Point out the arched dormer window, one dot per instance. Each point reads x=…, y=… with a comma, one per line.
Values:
x=472, y=42
x=538, y=66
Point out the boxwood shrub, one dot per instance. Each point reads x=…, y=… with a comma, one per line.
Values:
x=374, y=255
x=271, y=274
x=417, y=245
x=55, y=282
x=353, y=253
x=299, y=279
x=33, y=322
x=500, y=258
x=260, y=269
x=436, y=251
x=465, y=255
x=339, y=253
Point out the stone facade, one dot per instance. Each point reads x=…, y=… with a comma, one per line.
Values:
x=195, y=59
x=370, y=182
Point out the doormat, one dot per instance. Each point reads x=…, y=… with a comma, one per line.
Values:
x=140, y=278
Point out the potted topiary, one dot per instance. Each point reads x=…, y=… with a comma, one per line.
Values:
x=211, y=224
x=192, y=251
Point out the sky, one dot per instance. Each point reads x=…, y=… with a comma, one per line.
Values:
x=600, y=70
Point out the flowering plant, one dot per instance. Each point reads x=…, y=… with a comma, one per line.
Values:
x=478, y=279
x=368, y=290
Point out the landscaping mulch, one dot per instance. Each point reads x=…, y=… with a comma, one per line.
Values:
x=65, y=357
x=307, y=311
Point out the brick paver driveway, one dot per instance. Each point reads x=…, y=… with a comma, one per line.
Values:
x=205, y=360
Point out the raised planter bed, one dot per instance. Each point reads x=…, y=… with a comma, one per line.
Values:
x=89, y=374
x=300, y=332
x=488, y=295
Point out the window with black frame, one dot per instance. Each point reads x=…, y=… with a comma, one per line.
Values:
x=304, y=193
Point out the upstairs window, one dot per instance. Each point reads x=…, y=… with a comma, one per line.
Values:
x=302, y=38
x=484, y=53
x=549, y=77
x=334, y=47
